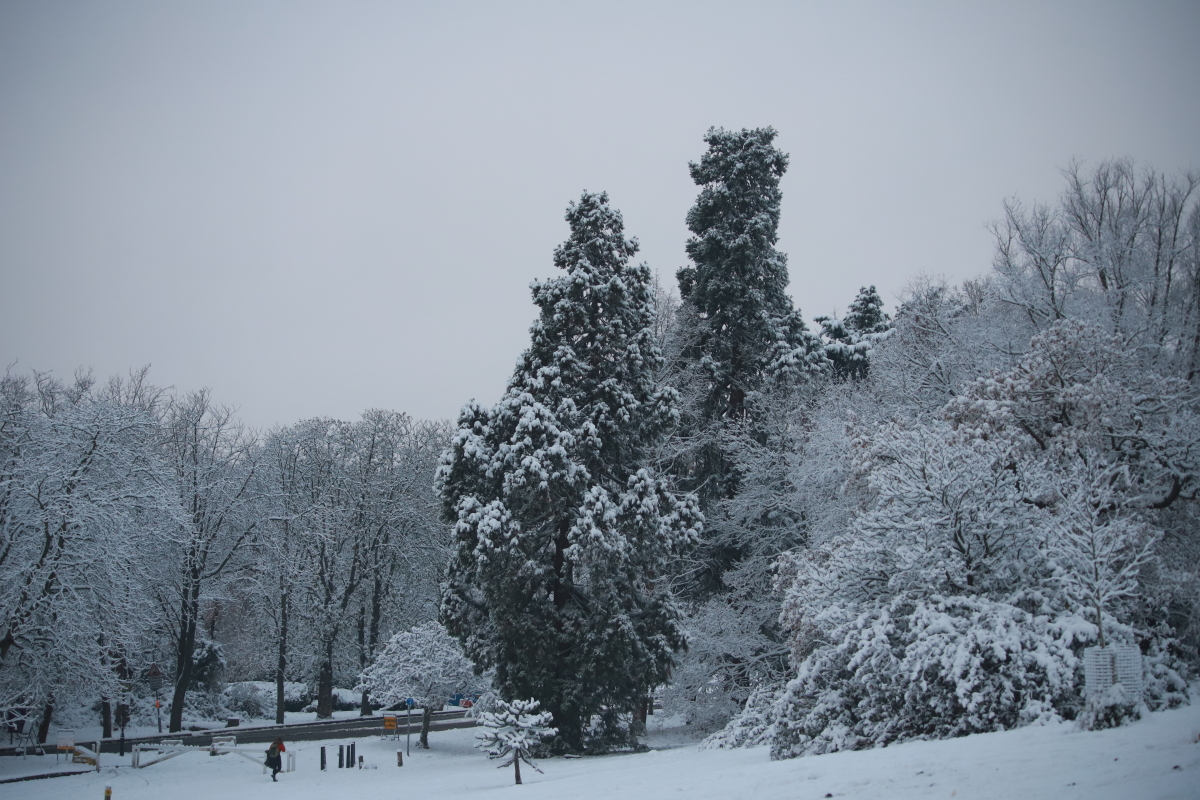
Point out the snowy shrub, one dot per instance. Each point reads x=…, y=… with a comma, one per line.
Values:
x=424, y=663
x=754, y=726
x=1163, y=682
x=343, y=700
x=256, y=699
x=929, y=668
x=296, y=695
x=1109, y=709
x=249, y=700
x=346, y=699
x=201, y=705
x=209, y=665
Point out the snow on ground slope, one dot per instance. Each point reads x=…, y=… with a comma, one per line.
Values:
x=1158, y=757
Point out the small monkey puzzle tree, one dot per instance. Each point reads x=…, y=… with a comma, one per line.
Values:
x=514, y=730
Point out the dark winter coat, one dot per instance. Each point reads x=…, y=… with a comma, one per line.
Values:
x=274, y=760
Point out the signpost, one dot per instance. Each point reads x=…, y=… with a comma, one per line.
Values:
x=408, y=725
x=66, y=743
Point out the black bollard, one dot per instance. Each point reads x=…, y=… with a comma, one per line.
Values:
x=322, y=758
x=341, y=757
x=352, y=755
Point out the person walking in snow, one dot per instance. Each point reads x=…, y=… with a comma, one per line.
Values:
x=275, y=757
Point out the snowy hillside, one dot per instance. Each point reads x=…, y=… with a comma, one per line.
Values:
x=1158, y=757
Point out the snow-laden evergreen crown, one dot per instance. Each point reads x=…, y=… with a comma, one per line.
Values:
x=561, y=528
x=747, y=328
x=866, y=314
x=849, y=341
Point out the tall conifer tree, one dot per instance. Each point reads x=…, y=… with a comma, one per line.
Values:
x=746, y=327
x=562, y=531
x=743, y=334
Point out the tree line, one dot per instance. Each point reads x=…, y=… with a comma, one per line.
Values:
x=883, y=527
x=140, y=527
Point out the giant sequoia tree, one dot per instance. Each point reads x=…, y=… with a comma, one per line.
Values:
x=743, y=336
x=562, y=532
x=746, y=327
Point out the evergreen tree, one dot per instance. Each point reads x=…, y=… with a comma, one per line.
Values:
x=743, y=335
x=746, y=327
x=562, y=533
x=515, y=730
x=866, y=315
x=849, y=341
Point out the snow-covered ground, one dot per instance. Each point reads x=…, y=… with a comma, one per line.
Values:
x=1158, y=757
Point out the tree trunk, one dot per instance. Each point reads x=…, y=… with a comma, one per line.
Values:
x=325, y=685
x=106, y=718
x=570, y=728
x=637, y=726
x=281, y=663
x=44, y=727
x=426, y=718
x=737, y=402
x=377, y=595
x=122, y=716
x=517, y=765
x=364, y=658
x=185, y=650
x=372, y=636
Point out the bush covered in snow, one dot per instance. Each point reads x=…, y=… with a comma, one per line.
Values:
x=248, y=700
x=929, y=668
x=755, y=724
x=995, y=539
x=424, y=663
x=256, y=699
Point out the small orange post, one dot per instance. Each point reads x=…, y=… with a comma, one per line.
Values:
x=107, y=793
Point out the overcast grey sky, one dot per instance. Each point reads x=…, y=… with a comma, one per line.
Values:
x=316, y=208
